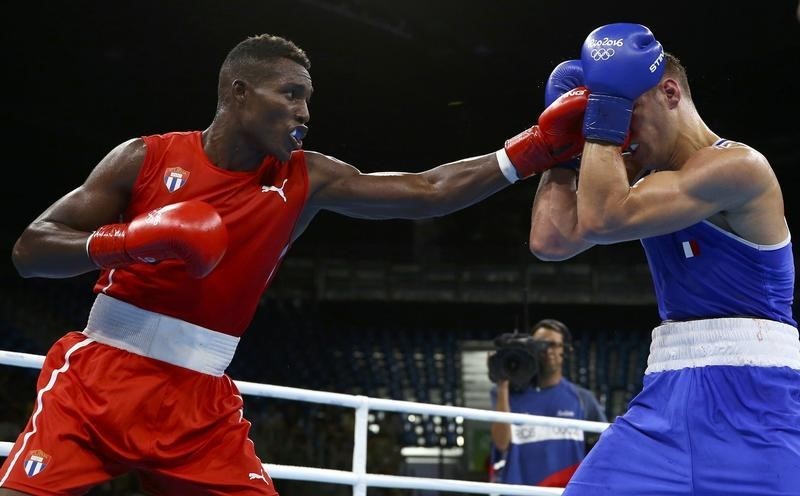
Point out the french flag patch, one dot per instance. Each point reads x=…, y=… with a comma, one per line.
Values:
x=691, y=249
x=175, y=178
x=36, y=462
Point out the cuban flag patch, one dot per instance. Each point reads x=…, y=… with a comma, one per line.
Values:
x=691, y=248
x=175, y=178
x=36, y=462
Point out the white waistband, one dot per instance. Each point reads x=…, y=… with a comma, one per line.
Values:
x=728, y=341
x=122, y=325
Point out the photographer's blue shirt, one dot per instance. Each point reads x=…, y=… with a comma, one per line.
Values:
x=538, y=453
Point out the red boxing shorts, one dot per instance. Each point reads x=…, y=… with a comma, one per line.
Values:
x=101, y=411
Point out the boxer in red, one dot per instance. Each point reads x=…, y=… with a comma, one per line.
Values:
x=188, y=229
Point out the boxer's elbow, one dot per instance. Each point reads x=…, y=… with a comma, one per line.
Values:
x=551, y=255
x=21, y=261
x=550, y=247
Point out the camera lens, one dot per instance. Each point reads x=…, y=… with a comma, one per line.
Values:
x=512, y=364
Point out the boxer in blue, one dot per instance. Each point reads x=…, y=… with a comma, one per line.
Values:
x=719, y=413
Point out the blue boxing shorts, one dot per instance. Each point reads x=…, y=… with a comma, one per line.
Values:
x=719, y=415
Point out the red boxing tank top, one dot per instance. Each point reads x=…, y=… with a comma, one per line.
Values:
x=259, y=209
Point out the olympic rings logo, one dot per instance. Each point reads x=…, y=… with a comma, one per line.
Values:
x=602, y=53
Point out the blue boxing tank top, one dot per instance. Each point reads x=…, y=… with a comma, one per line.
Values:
x=703, y=272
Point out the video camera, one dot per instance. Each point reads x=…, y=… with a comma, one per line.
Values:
x=516, y=359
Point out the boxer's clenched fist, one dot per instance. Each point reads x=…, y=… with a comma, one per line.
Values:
x=191, y=231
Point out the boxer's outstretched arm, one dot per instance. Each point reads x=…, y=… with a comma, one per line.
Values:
x=342, y=188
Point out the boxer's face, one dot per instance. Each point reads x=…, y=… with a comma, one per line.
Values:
x=274, y=112
x=652, y=130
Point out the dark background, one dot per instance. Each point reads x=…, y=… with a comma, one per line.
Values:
x=400, y=85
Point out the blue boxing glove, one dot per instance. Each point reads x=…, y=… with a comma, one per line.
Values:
x=620, y=62
x=567, y=76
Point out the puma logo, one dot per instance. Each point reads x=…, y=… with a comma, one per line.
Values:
x=267, y=189
x=254, y=476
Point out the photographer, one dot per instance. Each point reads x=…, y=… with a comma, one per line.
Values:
x=528, y=377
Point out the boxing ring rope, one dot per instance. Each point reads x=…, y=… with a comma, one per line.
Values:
x=358, y=478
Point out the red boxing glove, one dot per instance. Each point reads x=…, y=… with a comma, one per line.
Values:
x=191, y=231
x=556, y=138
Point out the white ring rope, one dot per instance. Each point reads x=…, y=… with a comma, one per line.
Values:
x=358, y=477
